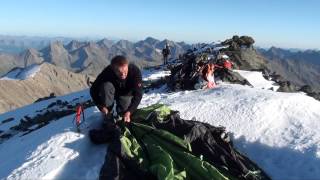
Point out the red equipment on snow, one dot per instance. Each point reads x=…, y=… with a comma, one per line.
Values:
x=227, y=64
x=77, y=119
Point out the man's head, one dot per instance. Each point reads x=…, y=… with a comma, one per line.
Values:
x=120, y=66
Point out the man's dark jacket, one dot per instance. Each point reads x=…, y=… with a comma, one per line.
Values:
x=131, y=86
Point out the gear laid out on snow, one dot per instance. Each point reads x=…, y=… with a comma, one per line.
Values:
x=158, y=144
x=187, y=73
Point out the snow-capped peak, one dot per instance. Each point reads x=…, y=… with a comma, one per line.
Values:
x=22, y=73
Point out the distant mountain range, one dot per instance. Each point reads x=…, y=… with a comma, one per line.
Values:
x=90, y=57
x=299, y=67
x=18, y=44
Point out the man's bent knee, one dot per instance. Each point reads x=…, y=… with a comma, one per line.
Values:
x=107, y=93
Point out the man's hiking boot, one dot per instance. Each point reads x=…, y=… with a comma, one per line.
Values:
x=108, y=119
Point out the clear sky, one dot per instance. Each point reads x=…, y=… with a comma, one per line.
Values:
x=283, y=23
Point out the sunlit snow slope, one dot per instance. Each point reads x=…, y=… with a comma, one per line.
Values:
x=279, y=131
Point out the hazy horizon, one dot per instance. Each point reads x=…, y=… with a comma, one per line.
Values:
x=97, y=38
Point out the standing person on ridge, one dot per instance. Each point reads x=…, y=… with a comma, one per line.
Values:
x=165, y=53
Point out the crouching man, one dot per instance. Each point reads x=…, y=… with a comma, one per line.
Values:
x=120, y=83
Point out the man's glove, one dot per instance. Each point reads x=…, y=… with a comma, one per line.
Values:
x=104, y=110
x=127, y=116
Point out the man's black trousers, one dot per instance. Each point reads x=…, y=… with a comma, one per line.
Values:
x=108, y=94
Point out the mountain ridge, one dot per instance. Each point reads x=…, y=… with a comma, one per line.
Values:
x=48, y=80
x=79, y=56
x=299, y=67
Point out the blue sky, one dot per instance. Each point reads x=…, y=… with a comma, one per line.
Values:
x=283, y=23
